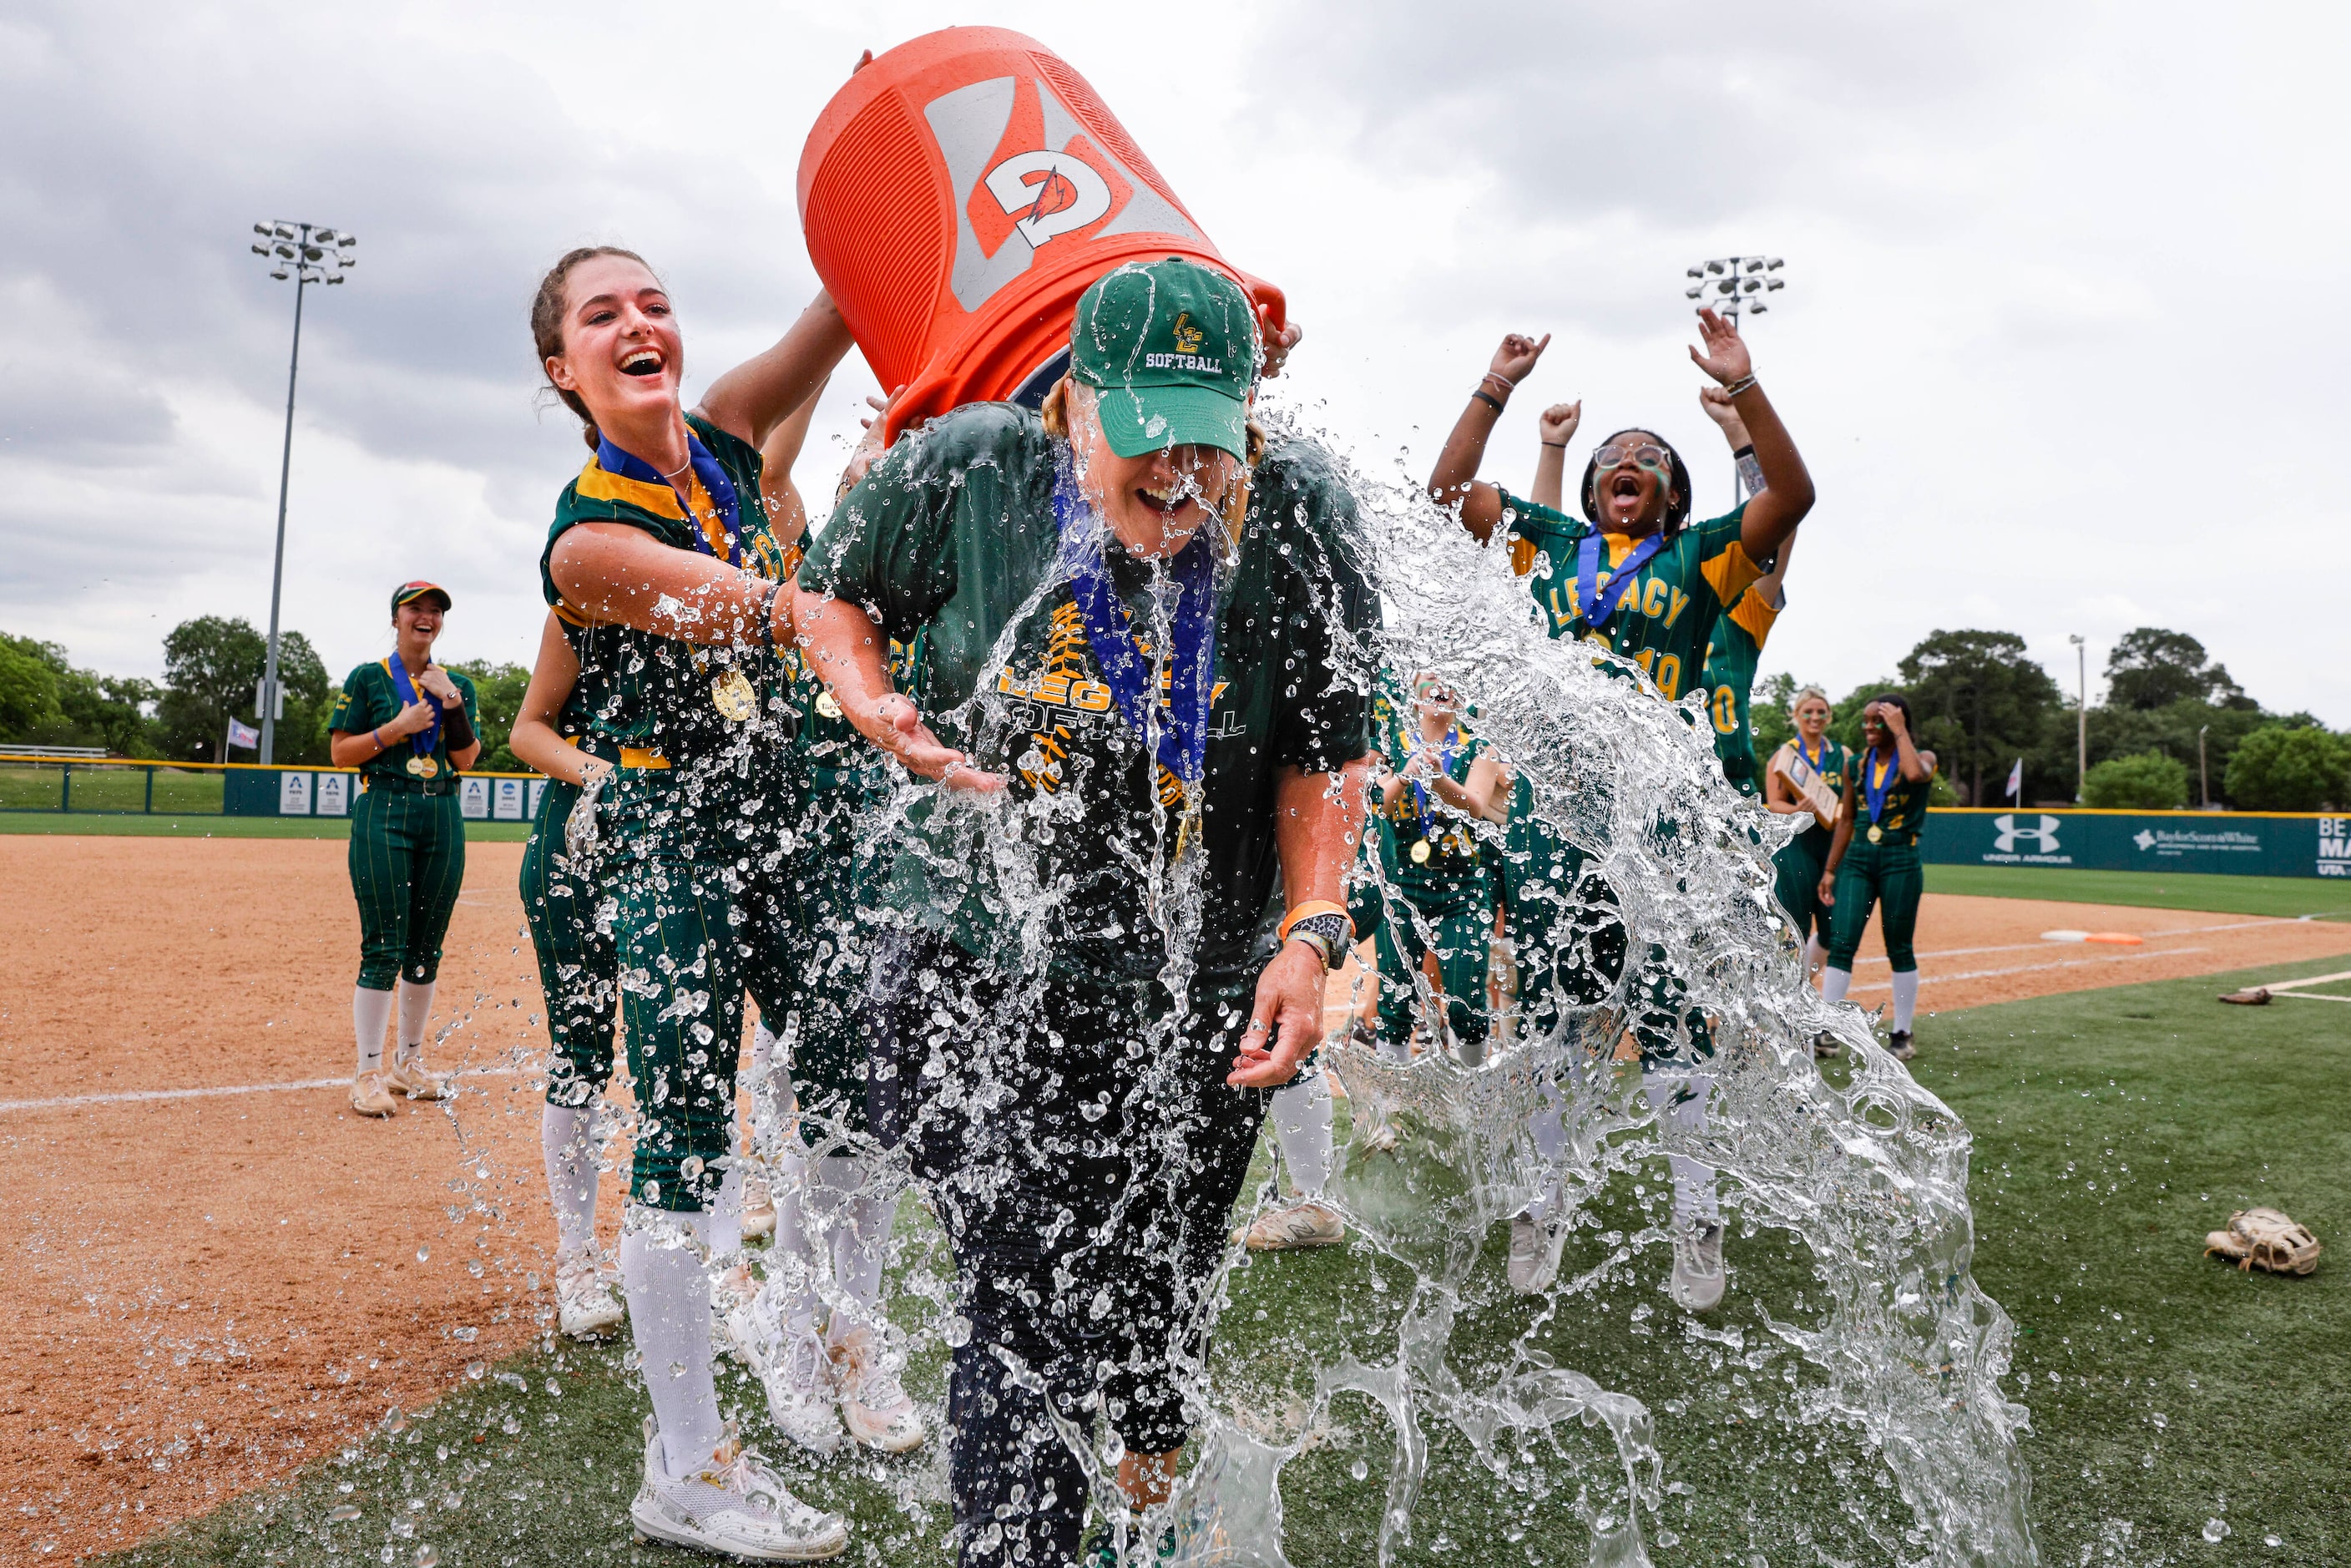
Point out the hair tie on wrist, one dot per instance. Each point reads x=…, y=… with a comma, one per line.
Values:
x=1743, y=383
x=1562, y=445
x=1487, y=397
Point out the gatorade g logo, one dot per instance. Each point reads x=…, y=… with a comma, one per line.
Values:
x=2043, y=836
x=1049, y=192
x=1026, y=174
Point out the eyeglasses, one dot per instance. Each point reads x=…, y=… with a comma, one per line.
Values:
x=1656, y=459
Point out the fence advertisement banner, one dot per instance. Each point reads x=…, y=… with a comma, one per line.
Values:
x=2229, y=843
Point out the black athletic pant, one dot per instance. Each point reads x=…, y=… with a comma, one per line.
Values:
x=1085, y=1182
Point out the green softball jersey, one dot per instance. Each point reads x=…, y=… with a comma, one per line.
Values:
x=1452, y=856
x=953, y=536
x=1904, y=808
x=1732, y=651
x=652, y=698
x=1664, y=614
x=368, y=698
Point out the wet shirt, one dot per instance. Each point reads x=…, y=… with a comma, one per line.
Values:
x=1452, y=855
x=370, y=698
x=1732, y=652
x=830, y=752
x=952, y=537
x=1904, y=810
x=1665, y=611
x=655, y=699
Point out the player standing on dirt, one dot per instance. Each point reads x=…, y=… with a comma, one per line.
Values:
x=1890, y=781
x=1806, y=777
x=663, y=538
x=407, y=725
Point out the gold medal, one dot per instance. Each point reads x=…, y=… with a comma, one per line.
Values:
x=1420, y=852
x=416, y=767
x=1876, y=832
x=427, y=768
x=731, y=694
x=827, y=705
x=1185, y=832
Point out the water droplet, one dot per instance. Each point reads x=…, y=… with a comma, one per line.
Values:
x=395, y=1419
x=427, y=1557
x=344, y=1512
x=423, y=1253
x=2216, y=1530
x=1359, y=1469
x=2272, y=1540
x=474, y=1369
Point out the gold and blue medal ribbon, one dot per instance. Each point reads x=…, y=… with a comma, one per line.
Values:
x=1875, y=782
x=1445, y=751
x=426, y=741
x=706, y=469
x=1183, y=743
x=1589, y=582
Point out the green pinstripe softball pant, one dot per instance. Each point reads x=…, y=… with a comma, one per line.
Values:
x=408, y=862
x=1889, y=874
x=576, y=961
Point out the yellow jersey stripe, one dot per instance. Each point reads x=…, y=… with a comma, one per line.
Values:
x=1730, y=573
x=1753, y=616
x=595, y=485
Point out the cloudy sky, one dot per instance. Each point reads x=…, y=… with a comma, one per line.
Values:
x=2056, y=340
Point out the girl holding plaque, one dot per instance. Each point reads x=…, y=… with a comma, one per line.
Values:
x=1805, y=777
x=407, y=725
x=1875, y=858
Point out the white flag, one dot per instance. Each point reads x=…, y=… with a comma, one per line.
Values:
x=244, y=734
x=2016, y=782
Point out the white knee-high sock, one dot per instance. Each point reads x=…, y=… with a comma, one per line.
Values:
x=371, y=1014
x=1547, y=1130
x=1301, y=1125
x=1906, y=998
x=1813, y=953
x=796, y=1268
x=1833, y=982
x=669, y=1317
x=415, y=1012
x=566, y=1137
x=724, y=1227
x=857, y=1223
x=1679, y=1101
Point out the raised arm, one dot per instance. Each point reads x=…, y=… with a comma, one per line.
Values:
x=787, y=513
x=1454, y=482
x=750, y=400
x=1787, y=487
x=1556, y=425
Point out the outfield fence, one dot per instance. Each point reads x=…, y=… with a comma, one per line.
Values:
x=131, y=787
x=2227, y=843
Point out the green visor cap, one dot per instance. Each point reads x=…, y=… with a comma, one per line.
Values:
x=1170, y=349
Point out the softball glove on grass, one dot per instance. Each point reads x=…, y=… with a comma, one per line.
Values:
x=2264, y=1239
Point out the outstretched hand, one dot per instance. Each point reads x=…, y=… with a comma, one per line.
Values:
x=1515, y=360
x=1286, y=1024
x=1716, y=404
x=913, y=744
x=1725, y=357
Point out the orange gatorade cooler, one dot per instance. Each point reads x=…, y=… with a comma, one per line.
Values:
x=959, y=194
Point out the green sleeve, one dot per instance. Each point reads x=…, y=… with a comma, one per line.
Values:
x=464, y=685
x=1527, y=520
x=359, y=705
x=1322, y=721
x=891, y=546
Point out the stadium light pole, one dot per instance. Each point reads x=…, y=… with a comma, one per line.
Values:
x=2203, y=777
x=2081, y=712
x=308, y=254
x=1729, y=285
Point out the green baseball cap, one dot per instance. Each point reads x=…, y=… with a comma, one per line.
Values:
x=1170, y=349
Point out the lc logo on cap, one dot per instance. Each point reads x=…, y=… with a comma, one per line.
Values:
x=2043, y=835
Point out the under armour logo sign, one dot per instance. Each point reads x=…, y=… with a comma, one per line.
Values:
x=2043, y=834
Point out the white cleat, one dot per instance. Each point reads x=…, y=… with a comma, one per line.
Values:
x=874, y=1404
x=802, y=1396
x=1308, y=1224
x=734, y=1506
x=416, y=1081
x=1697, y=1269
x=731, y=1295
x=1534, y=1253
x=586, y=1305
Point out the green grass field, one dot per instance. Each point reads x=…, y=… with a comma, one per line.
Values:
x=2289, y=897
x=2112, y=1130
x=136, y=825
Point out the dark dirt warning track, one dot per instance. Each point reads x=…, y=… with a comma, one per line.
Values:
x=215, y=1270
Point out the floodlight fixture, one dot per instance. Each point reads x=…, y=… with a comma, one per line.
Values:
x=1735, y=285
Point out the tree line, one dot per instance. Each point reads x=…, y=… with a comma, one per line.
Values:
x=212, y=669
x=1984, y=703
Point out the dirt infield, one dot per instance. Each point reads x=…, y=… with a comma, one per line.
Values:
x=219, y=1278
